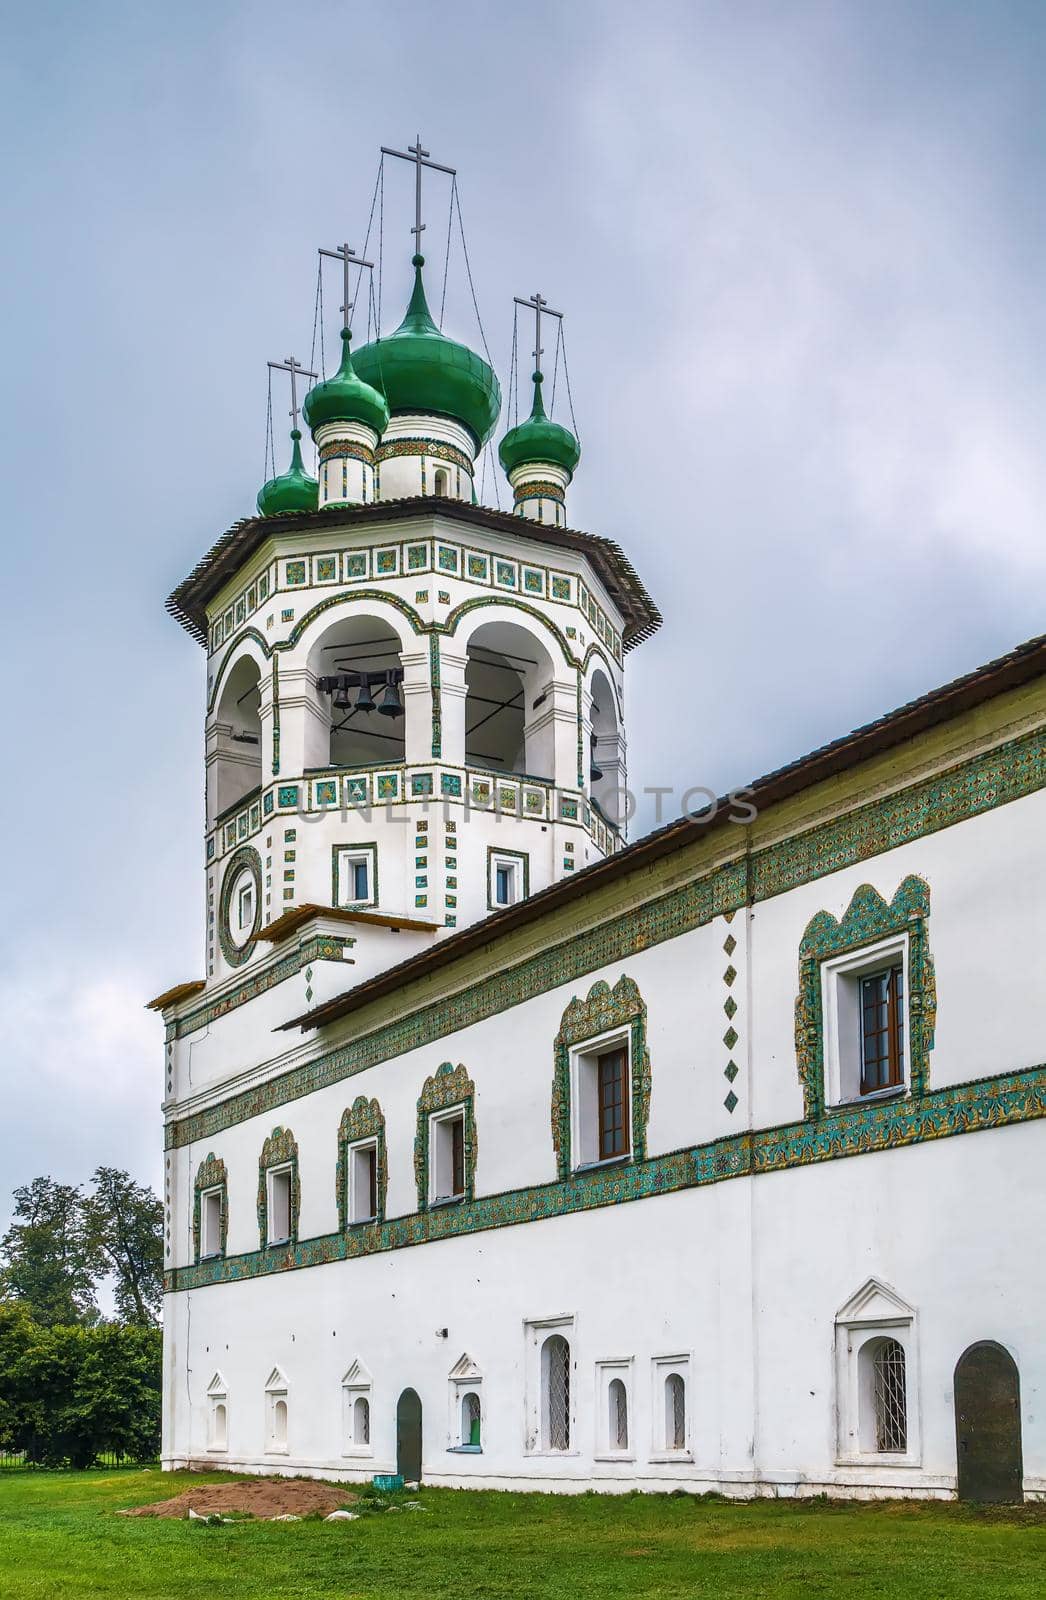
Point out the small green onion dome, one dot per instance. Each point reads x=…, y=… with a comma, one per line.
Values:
x=418, y=369
x=293, y=490
x=345, y=397
x=538, y=439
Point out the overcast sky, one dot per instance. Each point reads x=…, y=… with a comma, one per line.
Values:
x=801, y=250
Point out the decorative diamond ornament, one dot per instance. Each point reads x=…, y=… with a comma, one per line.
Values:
x=729, y=975
x=731, y=1070
x=730, y=1005
x=730, y=1102
x=729, y=944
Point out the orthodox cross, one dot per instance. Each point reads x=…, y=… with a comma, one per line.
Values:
x=420, y=158
x=295, y=368
x=348, y=258
x=540, y=307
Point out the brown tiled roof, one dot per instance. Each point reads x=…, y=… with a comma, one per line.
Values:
x=188, y=602
x=1019, y=666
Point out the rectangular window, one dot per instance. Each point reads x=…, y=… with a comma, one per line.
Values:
x=279, y=1204
x=363, y=1182
x=507, y=878
x=612, y=1071
x=211, y=1222
x=245, y=906
x=447, y=1156
x=360, y=880
x=356, y=876
x=504, y=885
x=882, y=1030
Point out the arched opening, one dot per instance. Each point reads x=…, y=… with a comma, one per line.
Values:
x=234, y=757
x=440, y=481
x=555, y=1393
x=508, y=706
x=988, y=1425
x=359, y=678
x=675, y=1412
x=883, y=1397
x=361, y=1420
x=471, y=1415
x=279, y=1423
x=607, y=758
x=220, y=1426
x=617, y=1399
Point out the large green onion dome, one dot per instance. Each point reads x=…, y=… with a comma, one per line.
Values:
x=418, y=369
x=293, y=490
x=345, y=397
x=538, y=439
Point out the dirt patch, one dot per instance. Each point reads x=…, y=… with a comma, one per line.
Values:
x=256, y=1497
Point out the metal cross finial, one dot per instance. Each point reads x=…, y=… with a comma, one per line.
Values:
x=415, y=153
x=348, y=258
x=289, y=364
x=539, y=305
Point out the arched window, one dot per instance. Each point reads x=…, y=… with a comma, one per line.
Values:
x=471, y=1415
x=276, y=1398
x=508, y=723
x=675, y=1412
x=220, y=1438
x=234, y=765
x=607, y=756
x=279, y=1423
x=889, y=1395
x=361, y=1420
x=555, y=1393
x=617, y=1399
x=439, y=481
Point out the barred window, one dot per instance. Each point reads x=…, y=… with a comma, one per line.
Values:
x=471, y=1420
x=675, y=1412
x=556, y=1393
x=618, y=1401
x=890, y=1397
x=361, y=1420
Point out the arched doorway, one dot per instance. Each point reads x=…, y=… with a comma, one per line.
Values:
x=988, y=1425
x=408, y=1436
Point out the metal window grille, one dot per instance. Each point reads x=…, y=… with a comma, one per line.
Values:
x=890, y=1395
x=618, y=1415
x=557, y=1398
x=675, y=1411
x=361, y=1420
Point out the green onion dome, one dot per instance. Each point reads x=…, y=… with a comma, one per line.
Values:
x=345, y=397
x=418, y=369
x=293, y=490
x=538, y=439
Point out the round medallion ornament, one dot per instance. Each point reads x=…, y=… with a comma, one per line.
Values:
x=239, y=910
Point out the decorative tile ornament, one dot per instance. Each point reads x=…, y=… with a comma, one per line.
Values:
x=210, y=1174
x=356, y=564
x=287, y=616
x=602, y=1009
x=386, y=562
x=478, y=567
x=730, y=1102
x=279, y=1150
x=388, y=785
x=505, y=574
x=417, y=557
x=287, y=795
x=867, y=919
x=437, y=696
x=364, y=1119
x=449, y=1086
x=448, y=559
x=295, y=573
x=450, y=784
x=246, y=857
x=325, y=569
x=421, y=784
x=357, y=790
x=325, y=792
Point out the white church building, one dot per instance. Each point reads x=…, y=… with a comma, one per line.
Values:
x=501, y=1152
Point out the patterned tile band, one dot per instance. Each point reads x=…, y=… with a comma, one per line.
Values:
x=1000, y=775
x=538, y=489
x=966, y=1108
x=322, y=947
x=425, y=447
x=335, y=448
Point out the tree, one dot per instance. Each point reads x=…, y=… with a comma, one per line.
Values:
x=124, y=1238
x=46, y=1254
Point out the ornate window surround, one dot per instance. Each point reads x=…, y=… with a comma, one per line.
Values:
x=867, y=921
x=210, y=1174
x=279, y=1150
x=448, y=1087
x=363, y=1120
x=583, y=1022
x=246, y=857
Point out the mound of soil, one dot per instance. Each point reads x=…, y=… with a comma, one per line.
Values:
x=259, y=1497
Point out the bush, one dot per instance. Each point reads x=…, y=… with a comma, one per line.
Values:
x=71, y=1395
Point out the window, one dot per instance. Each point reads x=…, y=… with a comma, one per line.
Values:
x=356, y=1411
x=356, y=876
x=279, y=1185
x=440, y=481
x=245, y=906
x=466, y=1409
x=363, y=1181
x=602, y=1101
x=618, y=1419
x=555, y=1393
x=211, y=1223
x=864, y=999
x=875, y=1377
x=276, y=1413
x=613, y=1406
x=670, y=1421
x=447, y=1155
x=508, y=878
x=882, y=1030
x=471, y=1420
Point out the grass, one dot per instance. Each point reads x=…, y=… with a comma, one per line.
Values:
x=59, y=1538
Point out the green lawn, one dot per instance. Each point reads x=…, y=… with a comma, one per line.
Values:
x=59, y=1537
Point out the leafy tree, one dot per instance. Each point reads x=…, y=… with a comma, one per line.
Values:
x=46, y=1254
x=124, y=1237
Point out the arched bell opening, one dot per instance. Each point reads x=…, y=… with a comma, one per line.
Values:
x=234, y=754
x=606, y=750
x=359, y=682
x=508, y=706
